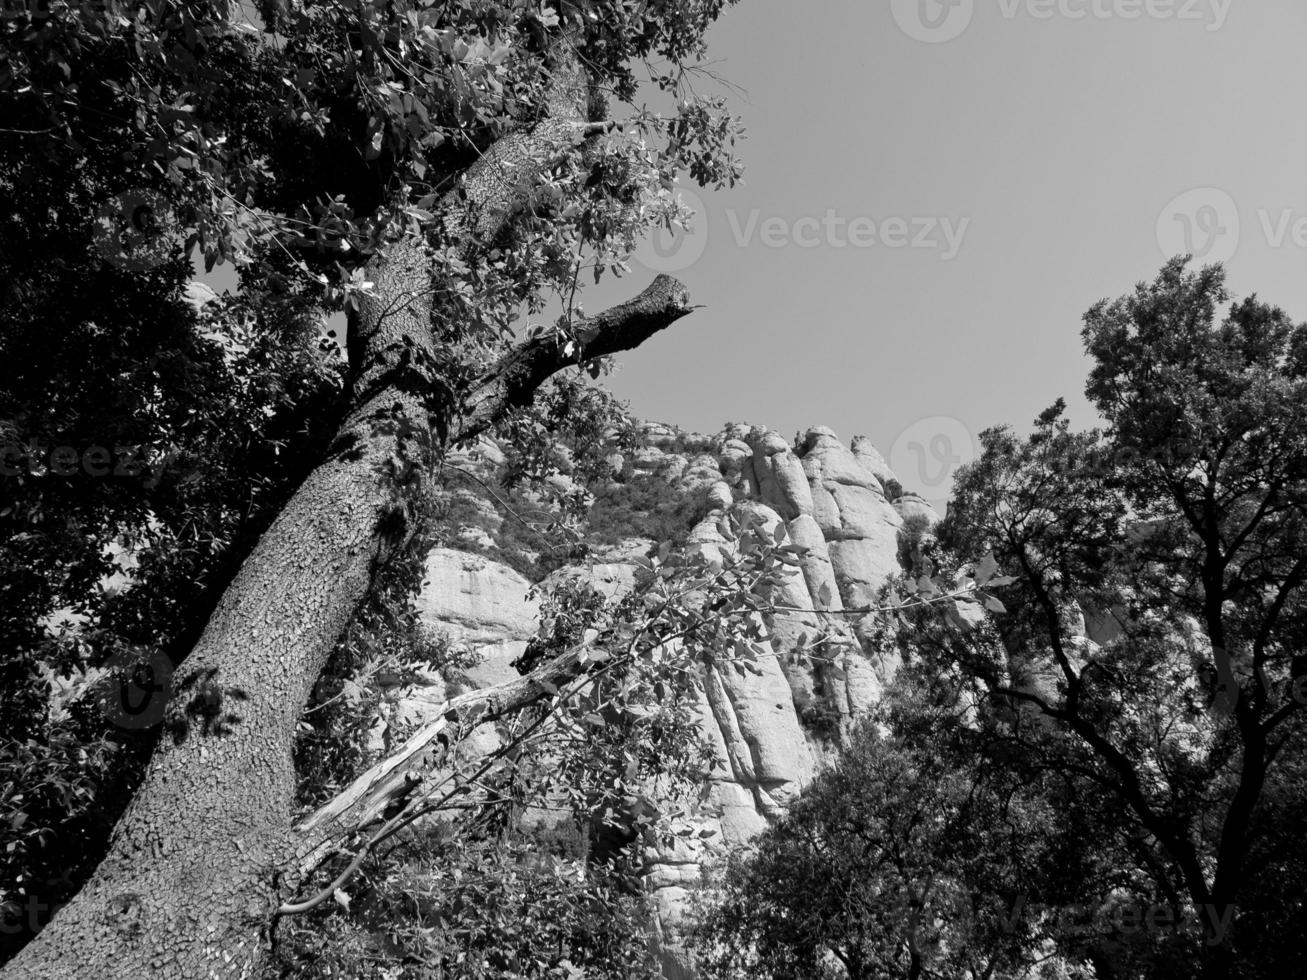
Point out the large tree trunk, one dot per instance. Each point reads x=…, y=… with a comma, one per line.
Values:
x=206, y=852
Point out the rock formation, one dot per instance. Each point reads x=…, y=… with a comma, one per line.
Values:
x=771, y=731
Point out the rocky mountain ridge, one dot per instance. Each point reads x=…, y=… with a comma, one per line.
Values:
x=771, y=731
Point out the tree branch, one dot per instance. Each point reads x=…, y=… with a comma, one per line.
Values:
x=394, y=779
x=483, y=202
x=514, y=378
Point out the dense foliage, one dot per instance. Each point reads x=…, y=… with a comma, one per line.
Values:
x=156, y=442
x=1107, y=775
x=1176, y=536
x=147, y=438
x=904, y=860
x=1136, y=705
x=439, y=905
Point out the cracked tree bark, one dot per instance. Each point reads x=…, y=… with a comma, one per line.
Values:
x=206, y=853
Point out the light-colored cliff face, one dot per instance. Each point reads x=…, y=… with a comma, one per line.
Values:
x=771, y=731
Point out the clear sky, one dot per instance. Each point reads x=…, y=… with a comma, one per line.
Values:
x=1060, y=145
x=936, y=192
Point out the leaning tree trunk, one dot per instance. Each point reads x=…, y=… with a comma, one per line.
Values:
x=191, y=873
x=206, y=853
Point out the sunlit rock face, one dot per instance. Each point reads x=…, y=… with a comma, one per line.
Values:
x=771, y=731
x=774, y=732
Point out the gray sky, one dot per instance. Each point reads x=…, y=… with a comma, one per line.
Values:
x=1063, y=143
x=1038, y=155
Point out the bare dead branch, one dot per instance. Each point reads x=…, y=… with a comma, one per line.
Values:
x=514, y=378
x=392, y=780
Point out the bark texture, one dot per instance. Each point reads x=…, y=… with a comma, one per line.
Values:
x=194, y=866
x=206, y=852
